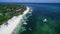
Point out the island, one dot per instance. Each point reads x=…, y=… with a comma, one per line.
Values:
x=7, y=11
x=11, y=16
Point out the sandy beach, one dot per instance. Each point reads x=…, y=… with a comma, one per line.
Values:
x=12, y=23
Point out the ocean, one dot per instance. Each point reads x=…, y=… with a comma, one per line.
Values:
x=41, y=11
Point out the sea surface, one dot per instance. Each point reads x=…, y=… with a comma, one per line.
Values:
x=41, y=11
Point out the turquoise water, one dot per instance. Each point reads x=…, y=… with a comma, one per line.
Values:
x=41, y=11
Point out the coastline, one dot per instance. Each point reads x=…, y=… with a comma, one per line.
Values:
x=12, y=23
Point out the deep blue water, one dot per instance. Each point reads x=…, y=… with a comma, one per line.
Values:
x=40, y=11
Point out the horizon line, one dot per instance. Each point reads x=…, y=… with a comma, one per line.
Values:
x=29, y=2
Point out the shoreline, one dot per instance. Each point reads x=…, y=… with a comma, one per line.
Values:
x=12, y=23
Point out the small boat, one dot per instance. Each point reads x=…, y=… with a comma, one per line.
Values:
x=45, y=20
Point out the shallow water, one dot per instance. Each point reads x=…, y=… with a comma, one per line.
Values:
x=41, y=11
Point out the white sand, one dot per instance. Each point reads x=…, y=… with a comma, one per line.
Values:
x=12, y=23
